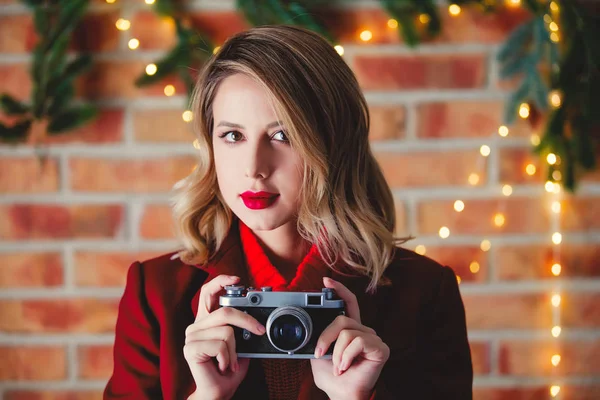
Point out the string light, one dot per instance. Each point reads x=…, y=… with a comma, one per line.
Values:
x=474, y=267
x=196, y=144
x=524, y=110
x=507, y=190
x=459, y=205
x=454, y=9
x=554, y=390
x=485, y=245
x=554, y=6
x=556, y=269
x=110, y=1
x=444, y=232
x=549, y=186
x=366, y=35
x=553, y=26
x=149, y=2
x=123, y=24
x=514, y=3
x=555, y=98
x=547, y=18
x=392, y=23
x=555, y=359
x=503, y=131
x=535, y=139
x=485, y=150
x=557, y=175
x=187, y=116
x=134, y=44
x=556, y=331
x=556, y=238
x=499, y=219
x=530, y=169
x=151, y=69
x=424, y=19
x=554, y=37
x=216, y=49
x=551, y=158
x=473, y=179
x=420, y=249
x=556, y=206
x=339, y=49
x=556, y=300
x=169, y=90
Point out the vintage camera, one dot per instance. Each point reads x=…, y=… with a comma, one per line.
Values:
x=294, y=320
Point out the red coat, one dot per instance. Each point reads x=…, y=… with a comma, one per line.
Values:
x=420, y=317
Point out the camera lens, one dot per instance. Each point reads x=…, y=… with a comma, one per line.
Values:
x=289, y=328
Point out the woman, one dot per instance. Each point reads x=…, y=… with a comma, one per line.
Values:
x=287, y=194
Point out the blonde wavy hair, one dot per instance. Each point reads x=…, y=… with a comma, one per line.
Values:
x=346, y=208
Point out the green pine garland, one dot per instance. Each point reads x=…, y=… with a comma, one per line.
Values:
x=51, y=73
x=569, y=70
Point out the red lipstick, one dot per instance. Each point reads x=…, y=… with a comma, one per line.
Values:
x=258, y=200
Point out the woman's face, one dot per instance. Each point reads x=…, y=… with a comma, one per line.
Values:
x=258, y=173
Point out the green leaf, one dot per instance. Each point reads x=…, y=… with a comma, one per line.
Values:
x=71, y=119
x=303, y=17
x=514, y=66
x=539, y=90
x=77, y=66
x=517, y=40
x=41, y=21
x=165, y=8
x=178, y=57
x=70, y=14
x=62, y=95
x=409, y=30
x=12, y=106
x=514, y=101
x=15, y=133
x=582, y=143
x=33, y=3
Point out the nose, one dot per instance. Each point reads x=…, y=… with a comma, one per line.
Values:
x=257, y=162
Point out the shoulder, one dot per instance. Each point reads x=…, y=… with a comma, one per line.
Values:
x=419, y=274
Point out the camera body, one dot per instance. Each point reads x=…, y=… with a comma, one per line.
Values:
x=294, y=320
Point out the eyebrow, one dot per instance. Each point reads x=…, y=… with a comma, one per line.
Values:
x=232, y=125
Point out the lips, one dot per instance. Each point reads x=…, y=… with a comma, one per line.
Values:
x=258, y=200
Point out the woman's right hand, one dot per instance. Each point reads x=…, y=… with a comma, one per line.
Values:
x=211, y=336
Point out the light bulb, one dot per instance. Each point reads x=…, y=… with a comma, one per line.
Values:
x=503, y=131
x=133, y=44
x=339, y=49
x=151, y=69
x=556, y=331
x=530, y=169
x=196, y=144
x=473, y=179
x=392, y=23
x=553, y=26
x=474, y=267
x=366, y=35
x=507, y=190
x=485, y=245
x=187, y=116
x=123, y=24
x=556, y=300
x=420, y=249
x=485, y=150
x=459, y=205
x=499, y=219
x=424, y=18
x=551, y=158
x=556, y=206
x=554, y=390
x=169, y=90
x=216, y=49
x=454, y=9
x=555, y=359
x=444, y=232
x=556, y=238
x=535, y=139
x=556, y=268
x=524, y=110
x=554, y=37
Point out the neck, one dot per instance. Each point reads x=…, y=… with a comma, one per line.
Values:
x=285, y=248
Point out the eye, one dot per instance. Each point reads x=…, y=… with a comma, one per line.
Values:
x=281, y=136
x=231, y=136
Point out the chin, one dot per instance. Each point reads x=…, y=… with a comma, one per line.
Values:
x=263, y=220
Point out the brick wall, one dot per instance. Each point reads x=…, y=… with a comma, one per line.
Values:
x=71, y=225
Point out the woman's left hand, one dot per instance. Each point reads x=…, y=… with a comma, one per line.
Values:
x=358, y=355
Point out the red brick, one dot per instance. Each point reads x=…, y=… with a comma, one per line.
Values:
x=30, y=270
x=419, y=169
x=464, y=119
x=580, y=214
x=153, y=32
x=530, y=310
x=532, y=358
x=106, y=269
x=16, y=34
x=471, y=26
x=106, y=128
x=517, y=393
x=508, y=311
x=78, y=315
x=459, y=258
x=15, y=80
x=97, y=33
x=535, y=261
x=157, y=222
x=401, y=224
x=45, y=221
x=513, y=162
x=52, y=395
x=129, y=175
x=218, y=26
x=95, y=362
x=580, y=310
x=387, y=122
x=38, y=363
x=117, y=80
x=480, y=355
x=161, y=126
x=522, y=215
x=395, y=72
x=28, y=175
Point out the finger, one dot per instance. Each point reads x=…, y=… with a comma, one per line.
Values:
x=332, y=332
x=227, y=316
x=369, y=347
x=344, y=339
x=224, y=333
x=345, y=294
x=203, y=351
x=208, y=294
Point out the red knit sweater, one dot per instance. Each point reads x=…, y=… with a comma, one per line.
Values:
x=284, y=377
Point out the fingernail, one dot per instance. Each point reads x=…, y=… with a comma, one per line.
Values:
x=261, y=328
x=318, y=352
x=343, y=366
